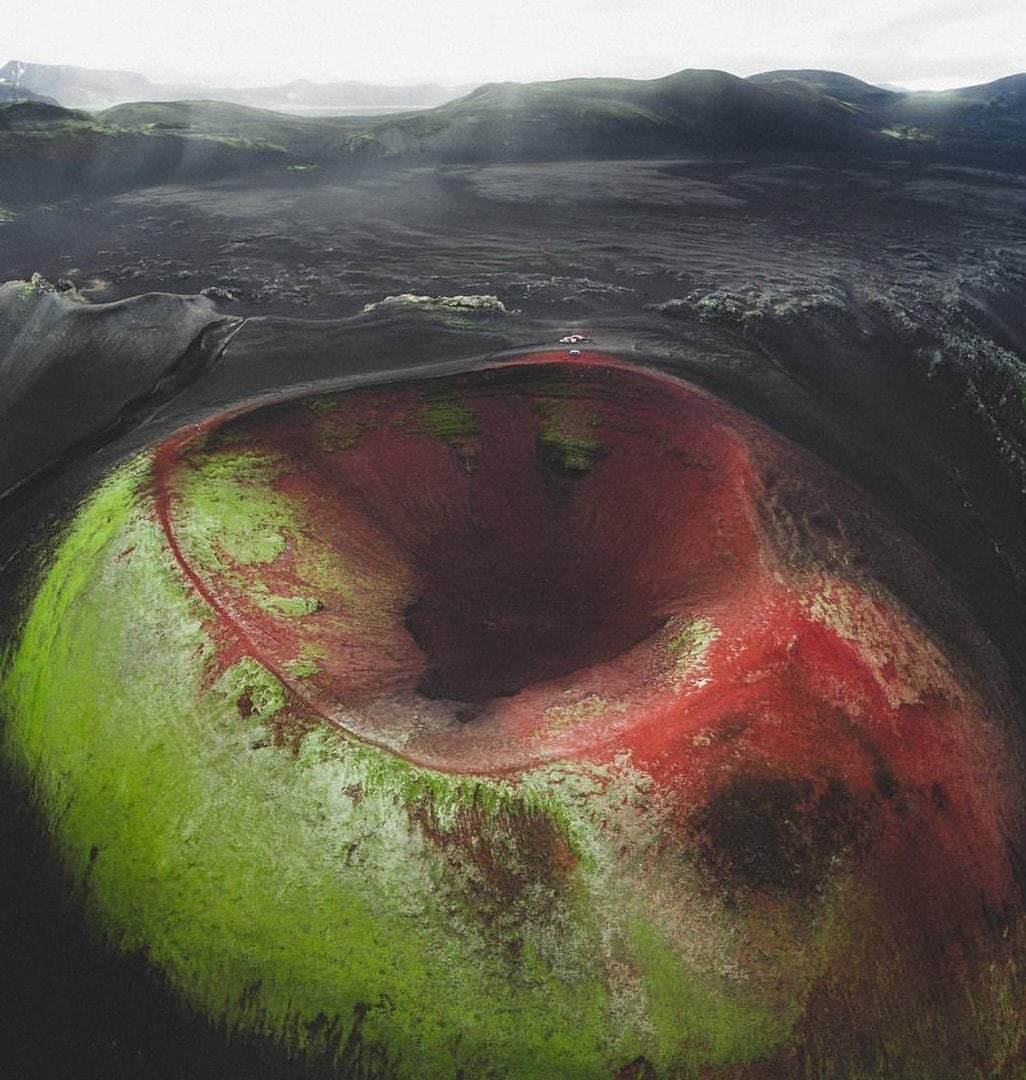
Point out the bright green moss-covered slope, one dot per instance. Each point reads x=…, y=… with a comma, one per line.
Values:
x=288, y=880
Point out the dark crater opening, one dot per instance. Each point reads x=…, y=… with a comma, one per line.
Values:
x=482, y=535
x=502, y=612
x=551, y=519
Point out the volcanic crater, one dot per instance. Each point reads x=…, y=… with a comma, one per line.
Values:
x=542, y=559
x=524, y=549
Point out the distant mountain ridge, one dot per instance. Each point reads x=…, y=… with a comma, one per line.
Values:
x=828, y=107
x=74, y=87
x=86, y=88
x=303, y=92
x=798, y=115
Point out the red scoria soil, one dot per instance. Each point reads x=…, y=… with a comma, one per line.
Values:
x=592, y=561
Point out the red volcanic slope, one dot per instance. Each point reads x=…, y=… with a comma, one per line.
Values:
x=581, y=560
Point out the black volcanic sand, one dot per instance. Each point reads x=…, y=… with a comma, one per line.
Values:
x=555, y=238
x=875, y=314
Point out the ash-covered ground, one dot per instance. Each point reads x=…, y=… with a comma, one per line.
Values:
x=873, y=312
x=556, y=240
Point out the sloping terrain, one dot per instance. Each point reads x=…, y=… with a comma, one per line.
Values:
x=310, y=140
x=14, y=93
x=833, y=83
x=985, y=123
x=47, y=150
x=779, y=116
x=789, y=114
x=979, y=121
x=689, y=112
x=896, y=355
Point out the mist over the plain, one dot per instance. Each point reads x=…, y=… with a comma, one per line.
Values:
x=927, y=45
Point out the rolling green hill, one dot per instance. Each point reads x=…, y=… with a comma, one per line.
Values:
x=983, y=124
x=309, y=139
x=990, y=118
x=16, y=94
x=835, y=84
x=689, y=112
x=48, y=151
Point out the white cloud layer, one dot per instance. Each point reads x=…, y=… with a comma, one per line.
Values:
x=239, y=42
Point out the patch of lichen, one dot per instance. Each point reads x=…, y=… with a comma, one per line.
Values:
x=732, y=1032
x=229, y=516
x=456, y=312
x=568, y=435
x=273, y=887
x=337, y=433
x=308, y=661
x=449, y=418
x=322, y=404
x=288, y=606
x=229, y=508
x=366, y=593
x=1000, y=1009
x=578, y=710
x=689, y=640
x=250, y=679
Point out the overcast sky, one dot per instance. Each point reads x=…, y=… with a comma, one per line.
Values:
x=921, y=43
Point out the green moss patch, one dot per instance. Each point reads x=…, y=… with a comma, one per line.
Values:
x=448, y=418
x=689, y=641
x=568, y=435
x=232, y=508
x=289, y=606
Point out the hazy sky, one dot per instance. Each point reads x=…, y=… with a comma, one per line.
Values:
x=920, y=43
